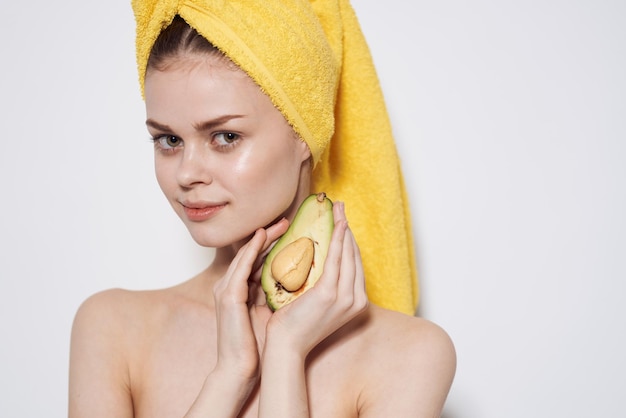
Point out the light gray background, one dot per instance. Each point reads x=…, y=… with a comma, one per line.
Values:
x=510, y=117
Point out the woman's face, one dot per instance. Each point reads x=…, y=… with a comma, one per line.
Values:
x=225, y=157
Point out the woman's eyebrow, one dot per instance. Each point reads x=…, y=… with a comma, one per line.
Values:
x=210, y=124
x=201, y=126
x=156, y=125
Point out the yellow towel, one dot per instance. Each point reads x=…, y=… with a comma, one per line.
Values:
x=311, y=59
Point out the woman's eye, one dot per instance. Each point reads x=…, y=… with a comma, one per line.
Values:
x=226, y=138
x=168, y=141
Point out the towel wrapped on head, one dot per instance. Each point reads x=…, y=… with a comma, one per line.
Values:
x=311, y=59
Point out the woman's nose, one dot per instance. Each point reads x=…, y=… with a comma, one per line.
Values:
x=194, y=166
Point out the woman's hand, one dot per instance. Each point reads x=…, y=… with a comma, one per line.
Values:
x=294, y=330
x=240, y=322
x=337, y=297
x=227, y=388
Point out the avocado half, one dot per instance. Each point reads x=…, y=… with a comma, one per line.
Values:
x=297, y=259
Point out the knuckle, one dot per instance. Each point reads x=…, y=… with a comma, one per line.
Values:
x=362, y=304
x=327, y=295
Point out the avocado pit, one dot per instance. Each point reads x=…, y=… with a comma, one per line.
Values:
x=292, y=264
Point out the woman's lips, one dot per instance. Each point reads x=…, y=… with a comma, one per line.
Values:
x=197, y=212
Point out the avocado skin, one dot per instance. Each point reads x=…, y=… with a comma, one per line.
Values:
x=314, y=219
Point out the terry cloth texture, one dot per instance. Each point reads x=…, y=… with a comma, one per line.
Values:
x=312, y=60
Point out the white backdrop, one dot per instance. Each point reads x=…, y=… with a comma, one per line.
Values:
x=511, y=122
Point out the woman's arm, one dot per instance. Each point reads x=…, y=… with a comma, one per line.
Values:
x=222, y=395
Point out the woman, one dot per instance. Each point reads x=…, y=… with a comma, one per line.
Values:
x=235, y=164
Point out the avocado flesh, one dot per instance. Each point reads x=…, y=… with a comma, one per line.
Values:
x=313, y=220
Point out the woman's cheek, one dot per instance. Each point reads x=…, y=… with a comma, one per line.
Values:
x=249, y=170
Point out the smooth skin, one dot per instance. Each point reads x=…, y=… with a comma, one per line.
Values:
x=235, y=173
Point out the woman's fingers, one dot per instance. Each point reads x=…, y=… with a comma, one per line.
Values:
x=359, y=278
x=241, y=282
x=332, y=265
x=240, y=269
x=347, y=276
x=273, y=232
x=351, y=283
x=340, y=269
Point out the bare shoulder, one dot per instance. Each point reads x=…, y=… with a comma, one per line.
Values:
x=110, y=310
x=99, y=383
x=121, y=336
x=413, y=361
x=129, y=307
x=107, y=300
x=107, y=322
x=125, y=316
x=411, y=334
